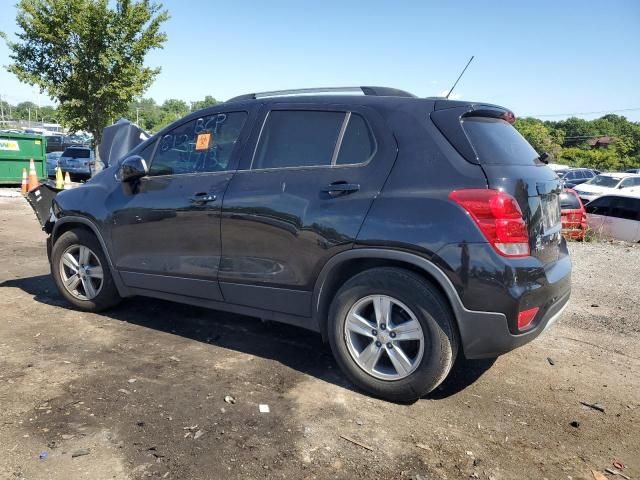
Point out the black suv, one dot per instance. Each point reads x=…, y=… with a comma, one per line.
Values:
x=405, y=230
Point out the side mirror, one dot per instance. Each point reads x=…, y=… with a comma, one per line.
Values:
x=132, y=168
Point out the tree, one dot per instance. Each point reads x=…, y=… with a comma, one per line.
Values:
x=208, y=101
x=539, y=136
x=87, y=55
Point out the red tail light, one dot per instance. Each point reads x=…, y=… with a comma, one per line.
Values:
x=525, y=318
x=499, y=218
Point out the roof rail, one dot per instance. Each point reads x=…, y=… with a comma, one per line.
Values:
x=374, y=91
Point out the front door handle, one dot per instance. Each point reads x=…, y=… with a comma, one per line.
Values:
x=339, y=188
x=202, y=198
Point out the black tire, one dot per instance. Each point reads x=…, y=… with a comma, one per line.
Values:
x=107, y=296
x=431, y=310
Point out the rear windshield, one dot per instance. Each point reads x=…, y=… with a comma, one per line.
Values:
x=77, y=153
x=604, y=181
x=496, y=142
x=568, y=201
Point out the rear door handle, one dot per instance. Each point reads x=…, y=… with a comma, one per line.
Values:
x=339, y=188
x=202, y=198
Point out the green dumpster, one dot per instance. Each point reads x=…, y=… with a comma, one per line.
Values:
x=15, y=152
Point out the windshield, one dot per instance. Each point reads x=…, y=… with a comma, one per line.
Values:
x=496, y=142
x=77, y=153
x=604, y=181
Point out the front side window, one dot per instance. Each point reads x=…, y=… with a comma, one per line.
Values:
x=600, y=206
x=201, y=145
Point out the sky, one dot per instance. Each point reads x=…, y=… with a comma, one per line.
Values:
x=545, y=58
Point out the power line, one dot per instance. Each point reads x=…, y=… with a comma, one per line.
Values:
x=584, y=113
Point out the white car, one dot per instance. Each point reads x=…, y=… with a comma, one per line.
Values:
x=606, y=183
x=615, y=216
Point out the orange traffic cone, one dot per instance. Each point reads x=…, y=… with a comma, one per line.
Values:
x=24, y=180
x=67, y=181
x=33, y=176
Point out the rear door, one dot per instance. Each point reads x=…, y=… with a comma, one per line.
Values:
x=623, y=221
x=299, y=198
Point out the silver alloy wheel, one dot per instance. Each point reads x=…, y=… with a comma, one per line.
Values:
x=81, y=272
x=384, y=337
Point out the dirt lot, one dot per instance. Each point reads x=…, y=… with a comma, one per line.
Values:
x=140, y=390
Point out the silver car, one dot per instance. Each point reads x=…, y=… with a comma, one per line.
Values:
x=78, y=161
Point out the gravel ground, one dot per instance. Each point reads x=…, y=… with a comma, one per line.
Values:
x=139, y=391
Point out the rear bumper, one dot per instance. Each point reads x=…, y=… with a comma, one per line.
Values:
x=493, y=290
x=491, y=336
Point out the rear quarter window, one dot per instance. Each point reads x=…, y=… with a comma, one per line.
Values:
x=497, y=142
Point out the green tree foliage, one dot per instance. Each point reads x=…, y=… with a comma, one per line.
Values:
x=88, y=55
x=539, y=136
x=208, y=101
x=567, y=141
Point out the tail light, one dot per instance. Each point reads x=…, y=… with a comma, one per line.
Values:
x=499, y=218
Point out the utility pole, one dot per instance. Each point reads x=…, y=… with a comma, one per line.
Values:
x=137, y=115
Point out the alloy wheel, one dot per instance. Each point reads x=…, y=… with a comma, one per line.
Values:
x=81, y=272
x=384, y=337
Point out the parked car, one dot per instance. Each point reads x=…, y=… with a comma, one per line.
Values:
x=406, y=231
x=633, y=170
x=573, y=214
x=577, y=176
x=615, y=216
x=53, y=159
x=606, y=183
x=77, y=161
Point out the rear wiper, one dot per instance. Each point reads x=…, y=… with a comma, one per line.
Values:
x=543, y=157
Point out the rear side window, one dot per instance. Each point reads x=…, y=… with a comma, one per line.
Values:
x=626, y=208
x=568, y=201
x=496, y=142
x=292, y=138
x=358, y=144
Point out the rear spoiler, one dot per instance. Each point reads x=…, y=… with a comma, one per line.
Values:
x=119, y=139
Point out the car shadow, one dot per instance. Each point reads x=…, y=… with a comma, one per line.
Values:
x=294, y=347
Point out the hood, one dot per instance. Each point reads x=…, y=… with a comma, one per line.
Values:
x=119, y=139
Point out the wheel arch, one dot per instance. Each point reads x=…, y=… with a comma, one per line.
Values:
x=345, y=265
x=67, y=223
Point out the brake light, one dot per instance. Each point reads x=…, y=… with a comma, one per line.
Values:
x=525, y=318
x=499, y=218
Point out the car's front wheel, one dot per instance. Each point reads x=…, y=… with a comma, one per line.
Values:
x=392, y=333
x=81, y=271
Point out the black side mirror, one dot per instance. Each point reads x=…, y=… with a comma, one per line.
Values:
x=132, y=168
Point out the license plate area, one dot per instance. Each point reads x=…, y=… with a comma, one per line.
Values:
x=550, y=204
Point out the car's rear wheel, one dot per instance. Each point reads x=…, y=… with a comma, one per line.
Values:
x=392, y=333
x=81, y=271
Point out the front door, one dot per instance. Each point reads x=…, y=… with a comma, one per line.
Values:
x=299, y=198
x=166, y=227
